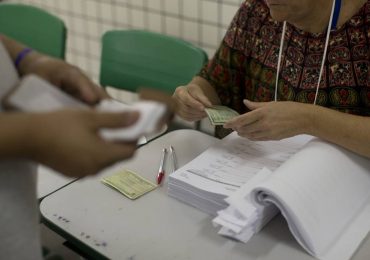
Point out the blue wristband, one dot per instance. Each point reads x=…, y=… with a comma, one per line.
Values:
x=21, y=56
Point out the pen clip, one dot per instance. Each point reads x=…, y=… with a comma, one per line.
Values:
x=173, y=159
x=161, y=165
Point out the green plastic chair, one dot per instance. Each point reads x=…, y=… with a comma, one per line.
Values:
x=135, y=58
x=34, y=27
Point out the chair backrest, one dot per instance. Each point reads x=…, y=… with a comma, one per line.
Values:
x=34, y=27
x=137, y=58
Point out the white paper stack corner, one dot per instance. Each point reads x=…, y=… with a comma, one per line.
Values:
x=245, y=217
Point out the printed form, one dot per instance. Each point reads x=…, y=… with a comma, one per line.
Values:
x=229, y=164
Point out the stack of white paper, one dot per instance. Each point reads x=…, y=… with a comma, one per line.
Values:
x=225, y=167
x=323, y=191
x=151, y=113
x=244, y=217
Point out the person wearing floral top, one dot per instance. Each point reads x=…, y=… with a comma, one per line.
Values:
x=330, y=101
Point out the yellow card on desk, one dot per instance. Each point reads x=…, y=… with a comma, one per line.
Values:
x=129, y=184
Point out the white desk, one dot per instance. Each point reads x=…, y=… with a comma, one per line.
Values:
x=49, y=181
x=103, y=222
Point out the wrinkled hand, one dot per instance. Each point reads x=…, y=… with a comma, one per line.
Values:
x=65, y=76
x=272, y=120
x=69, y=142
x=190, y=102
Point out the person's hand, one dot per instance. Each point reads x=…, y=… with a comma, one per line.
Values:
x=272, y=120
x=65, y=76
x=164, y=98
x=68, y=141
x=190, y=102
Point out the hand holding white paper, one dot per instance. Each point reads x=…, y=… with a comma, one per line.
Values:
x=151, y=113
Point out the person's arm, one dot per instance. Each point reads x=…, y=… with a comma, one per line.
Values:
x=349, y=131
x=13, y=47
x=214, y=85
x=61, y=74
x=14, y=134
x=278, y=120
x=67, y=141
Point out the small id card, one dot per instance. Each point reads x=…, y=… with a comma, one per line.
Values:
x=129, y=184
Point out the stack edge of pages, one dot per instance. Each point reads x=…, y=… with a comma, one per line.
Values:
x=223, y=168
x=322, y=190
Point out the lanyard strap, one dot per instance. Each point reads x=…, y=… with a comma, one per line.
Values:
x=337, y=7
x=335, y=11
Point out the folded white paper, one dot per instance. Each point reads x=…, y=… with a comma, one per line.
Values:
x=151, y=113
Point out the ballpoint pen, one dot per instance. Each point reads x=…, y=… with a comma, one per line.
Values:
x=161, y=167
x=173, y=159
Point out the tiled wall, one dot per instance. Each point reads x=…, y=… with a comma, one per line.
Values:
x=202, y=22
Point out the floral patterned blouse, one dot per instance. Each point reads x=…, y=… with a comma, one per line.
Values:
x=245, y=64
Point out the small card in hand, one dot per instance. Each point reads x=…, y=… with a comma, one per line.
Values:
x=219, y=115
x=129, y=184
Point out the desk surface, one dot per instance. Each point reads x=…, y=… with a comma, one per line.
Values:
x=157, y=226
x=49, y=181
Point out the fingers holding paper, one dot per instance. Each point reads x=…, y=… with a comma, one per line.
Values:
x=271, y=120
x=162, y=98
x=155, y=109
x=74, y=136
x=64, y=76
x=74, y=81
x=190, y=102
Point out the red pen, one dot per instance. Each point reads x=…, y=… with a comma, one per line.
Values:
x=161, y=167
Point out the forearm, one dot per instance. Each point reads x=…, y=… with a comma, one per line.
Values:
x=14, y=48
x=207, y=88
x=15, y=135
x=349, y=131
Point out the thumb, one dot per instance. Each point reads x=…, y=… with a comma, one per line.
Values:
x=253, y=105
x=198, y=94
x=115, y=120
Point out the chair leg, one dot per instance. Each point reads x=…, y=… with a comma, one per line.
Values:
x=198, y=125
